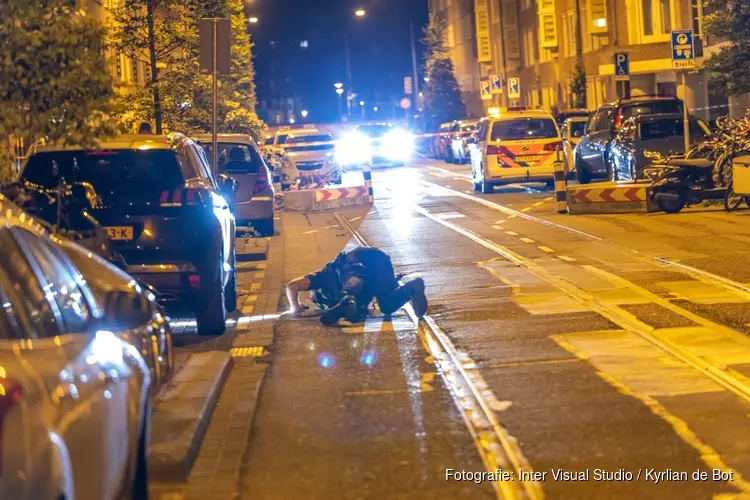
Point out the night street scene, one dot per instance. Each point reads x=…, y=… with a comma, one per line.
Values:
x=374, y=249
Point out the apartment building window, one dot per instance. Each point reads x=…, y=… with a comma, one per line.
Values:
x=529, y=49
x=653, y=19
x=510, y=27
x=547, y=24
x=569, y=34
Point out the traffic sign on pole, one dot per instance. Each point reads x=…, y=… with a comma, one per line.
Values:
x=622, y=66
x=514, y=88
x=497, y=84
x=485, y=89
x=683, y=53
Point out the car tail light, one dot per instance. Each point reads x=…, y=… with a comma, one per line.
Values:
x=194, y=280
x=188, y=196
x=261, y=181
x=493, y=150
x=553, y=146
x=618, y=119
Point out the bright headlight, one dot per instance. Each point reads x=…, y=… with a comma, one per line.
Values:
x=398, y=144
x=353, y=149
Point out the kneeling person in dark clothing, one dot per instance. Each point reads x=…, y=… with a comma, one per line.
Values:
x=344, y=287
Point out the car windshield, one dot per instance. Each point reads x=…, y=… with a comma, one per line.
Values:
x=651, y=108
x=268, y=141
x=374, y=130
x=281, y=138
x=667, y=127
x=524, y=128
x=236, y=158
x=116, y=175
x=302, y=139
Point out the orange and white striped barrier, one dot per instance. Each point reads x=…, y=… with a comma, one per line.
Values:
x=609, y=197
x=340, y=193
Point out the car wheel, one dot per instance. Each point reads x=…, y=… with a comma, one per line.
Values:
x=211, y=318
x=486, y=187
x=230, y=292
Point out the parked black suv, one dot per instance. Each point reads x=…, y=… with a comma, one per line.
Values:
x=591, y=155
x=164, y=211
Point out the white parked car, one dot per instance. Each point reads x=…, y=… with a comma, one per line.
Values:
x=74, y=397
x=309, y=155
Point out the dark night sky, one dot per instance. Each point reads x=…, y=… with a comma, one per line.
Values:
x=379, y=45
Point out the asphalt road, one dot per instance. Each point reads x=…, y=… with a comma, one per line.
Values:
x=609, y=358
x=614, y=350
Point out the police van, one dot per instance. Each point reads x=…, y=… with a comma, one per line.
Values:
x=514, y=145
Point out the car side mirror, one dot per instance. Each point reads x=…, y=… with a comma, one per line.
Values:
x=126, y=310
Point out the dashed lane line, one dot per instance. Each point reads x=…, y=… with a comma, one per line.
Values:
x=545, y=249
x=566, y=258
x=527, y=240
x=509, y=211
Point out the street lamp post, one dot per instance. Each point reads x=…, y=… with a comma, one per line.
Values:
x=360, y=13
x=340, y=92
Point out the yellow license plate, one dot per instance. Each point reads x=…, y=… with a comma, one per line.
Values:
x=528, y=158
x=122, y=233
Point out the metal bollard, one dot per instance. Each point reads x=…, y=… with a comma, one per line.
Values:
x=367, y=174
x=560, y=183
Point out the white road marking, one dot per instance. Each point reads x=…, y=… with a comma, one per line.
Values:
x=527, y=240
x=546, y=249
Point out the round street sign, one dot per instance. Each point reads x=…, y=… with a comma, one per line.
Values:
x=405, y=103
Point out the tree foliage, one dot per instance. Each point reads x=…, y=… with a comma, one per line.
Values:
x=185, y=93
x=434, y=41
x=442, y=95
x=54, y=82
x=730, y=66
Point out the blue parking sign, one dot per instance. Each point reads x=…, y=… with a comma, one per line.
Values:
x=497, y=84
x=683, y=53
x=622, y=66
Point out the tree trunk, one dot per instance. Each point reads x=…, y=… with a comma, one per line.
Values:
x=150, y=7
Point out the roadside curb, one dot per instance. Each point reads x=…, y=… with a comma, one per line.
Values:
x=252, y=249
x=182, y=415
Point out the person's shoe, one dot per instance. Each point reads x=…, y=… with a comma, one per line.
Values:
x=418, y=297
x=347, y=308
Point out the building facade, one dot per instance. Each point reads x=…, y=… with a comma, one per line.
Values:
x=540, y=42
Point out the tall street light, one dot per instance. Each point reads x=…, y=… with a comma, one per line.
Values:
x=339, y=90
x=359, y=13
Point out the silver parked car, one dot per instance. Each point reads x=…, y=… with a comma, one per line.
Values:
x=241, y=159
x=137, y=318
x=74, y=398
